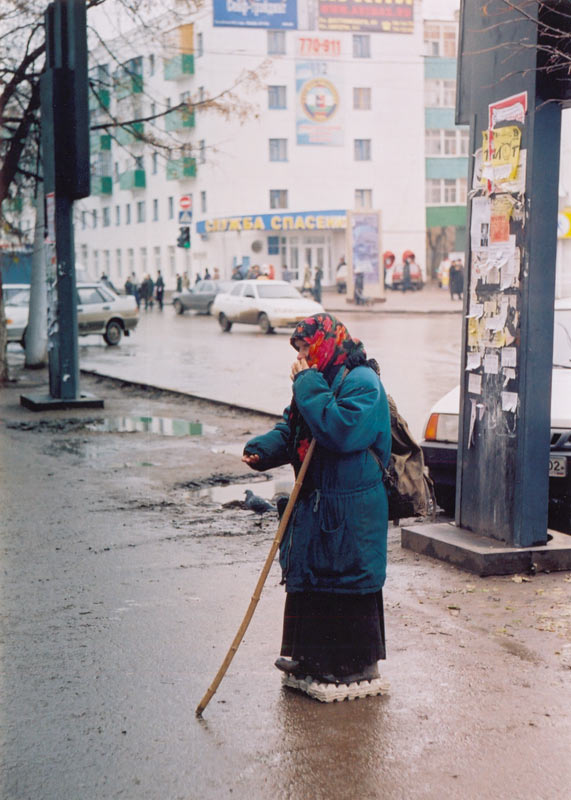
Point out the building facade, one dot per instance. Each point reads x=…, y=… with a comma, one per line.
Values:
x=324, y=116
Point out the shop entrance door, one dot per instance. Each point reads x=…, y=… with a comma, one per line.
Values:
x=309, y=251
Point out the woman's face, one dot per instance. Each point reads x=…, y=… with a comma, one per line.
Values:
x=302, y=349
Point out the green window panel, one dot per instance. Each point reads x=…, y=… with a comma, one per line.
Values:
x=447, y=167
x=101, y=184
x=133, y=179
x=128, y=85
x=99, y=142
x=129, y=134
x=443, y=68
x=181, y=168
x=442, y=216
x=179, y=66
x=179, y=119
x=99, y=98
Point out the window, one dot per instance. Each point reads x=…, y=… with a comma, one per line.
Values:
x=276, y=96
x=202, y=151
x=107, y=261
x=155, y=210
x=201, y=94
x=171, y=207
x=361, y=45
x=116, y=171
x=273, y=245
x=440, y=93
x=144, y=266
x=94, y=218
x=117, y=215
x=203, y=202
x=278, y=149
x=157, y=257
x=464, y=142
x=119, y=262
x=445, y=191
x=432, y=142
x=88, y=297
x=172, y=259
x=278, y=198
x=154, y=163
x=199, y=44
x=362, y=149
x=84, y=256
x=96, y=261
x=450, y=143
x=361, y=99
x=276, y=43
x=363, y=198
x=83, y=220
x=139, y=162
x=141, y=211
x=151, y=65
x=449, y=190
x=131, y=260
x=128, y=214
x=440, y=39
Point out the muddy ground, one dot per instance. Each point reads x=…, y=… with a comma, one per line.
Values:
x=127, y=564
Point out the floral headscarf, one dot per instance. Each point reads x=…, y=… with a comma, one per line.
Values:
x=331, y=348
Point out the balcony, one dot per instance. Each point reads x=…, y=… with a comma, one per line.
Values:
x=133, y=179
x=178, y=170
x=128, y=85
x=130, y=134
x=179, y=67
x=98, y=143
x=101, y=184
x=179, y=119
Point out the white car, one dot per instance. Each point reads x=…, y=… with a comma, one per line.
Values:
x=440, y=441
x=269, y=304
x=99, y=310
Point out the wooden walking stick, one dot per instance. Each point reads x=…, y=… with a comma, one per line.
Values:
x=260, y=584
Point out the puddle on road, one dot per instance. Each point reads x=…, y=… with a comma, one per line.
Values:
x=232, y=448
x=162, y=426
x=236, y=491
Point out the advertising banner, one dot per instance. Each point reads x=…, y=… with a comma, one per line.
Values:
x=318, y=89
x=273, y=14
x=280, y=221
x=366, y=270
x=369, y=16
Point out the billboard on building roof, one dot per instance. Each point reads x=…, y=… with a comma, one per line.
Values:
x=373, y=16
x=273, y=14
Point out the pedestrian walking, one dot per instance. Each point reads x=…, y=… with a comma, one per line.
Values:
x=306, y=288
x=317, y=284
x=456, y=279
x=198, y=278
x=333, y=553
x=178, y=282
x=128, y=286
x=160, y=290
x=207, y=275
x=186, y=281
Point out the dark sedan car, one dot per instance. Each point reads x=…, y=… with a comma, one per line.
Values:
x=200, y=296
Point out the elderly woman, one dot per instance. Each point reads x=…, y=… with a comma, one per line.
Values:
x=333, y=554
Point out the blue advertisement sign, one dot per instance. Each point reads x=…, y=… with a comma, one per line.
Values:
x=280, y=221
x=273, y=14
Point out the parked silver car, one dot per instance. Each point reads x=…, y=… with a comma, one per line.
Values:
x=99, y=310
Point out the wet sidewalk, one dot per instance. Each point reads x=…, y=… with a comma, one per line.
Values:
x=429, y=300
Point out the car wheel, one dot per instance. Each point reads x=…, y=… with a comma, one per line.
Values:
x=224, y=323
x=209, y=307
x=264, y=323
x=178, y=306
x=113, y=333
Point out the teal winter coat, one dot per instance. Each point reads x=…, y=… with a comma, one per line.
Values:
x=336, y=539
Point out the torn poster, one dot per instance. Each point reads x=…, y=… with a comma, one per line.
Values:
x=509, y=401
x=474, y=383
x=473, y=361
x=480, y=224
x=491, y=363
x=509, y=357
x=509, y=109
x=500, y=147
x=509, y=375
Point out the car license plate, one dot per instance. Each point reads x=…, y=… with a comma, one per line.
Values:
x=557, y=467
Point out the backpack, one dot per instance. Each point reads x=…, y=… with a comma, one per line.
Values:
x=410, y=490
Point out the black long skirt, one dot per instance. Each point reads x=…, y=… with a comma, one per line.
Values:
x=337, y=634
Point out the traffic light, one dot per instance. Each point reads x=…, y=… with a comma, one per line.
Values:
x=183, y=238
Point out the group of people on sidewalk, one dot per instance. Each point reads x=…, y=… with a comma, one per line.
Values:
x=147, y=291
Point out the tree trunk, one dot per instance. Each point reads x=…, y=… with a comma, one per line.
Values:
x=37, y=330
x=3, y=337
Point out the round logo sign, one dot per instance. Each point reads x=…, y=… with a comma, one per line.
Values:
x=319, y=99
x=185, y=202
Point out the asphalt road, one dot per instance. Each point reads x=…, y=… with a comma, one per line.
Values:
x=419, y=356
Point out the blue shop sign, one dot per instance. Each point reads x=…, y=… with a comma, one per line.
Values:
x=281, y=222
x=273, y=14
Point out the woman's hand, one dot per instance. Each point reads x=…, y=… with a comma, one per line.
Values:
x=251, y=459
x=298, y=366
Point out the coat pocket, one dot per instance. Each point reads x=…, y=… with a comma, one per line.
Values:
x=335, y=551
